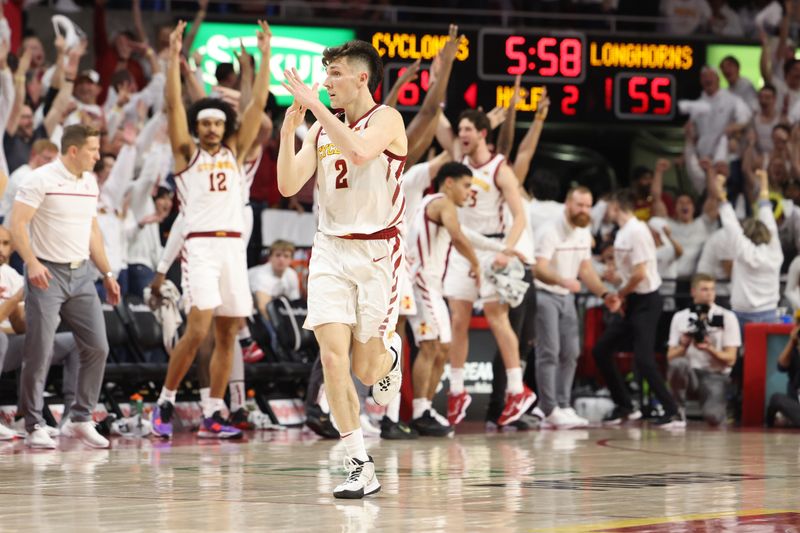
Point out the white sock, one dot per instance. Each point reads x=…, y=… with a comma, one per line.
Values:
x=456, y=380
x=354, y=444
x=213, y=405
x=393, y=409
x=205, y=394
x=237, y=391
x=167, y=396
x=420, y=406
x=244, y=333
x=514, y=377
x=322, y=400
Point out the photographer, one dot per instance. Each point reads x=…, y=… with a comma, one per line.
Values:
x=788, y=404
x=703, y=340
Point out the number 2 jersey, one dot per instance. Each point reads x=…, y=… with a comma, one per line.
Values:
x=361, y=199
x=210, y=192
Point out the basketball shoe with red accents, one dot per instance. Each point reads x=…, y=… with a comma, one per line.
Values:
x=215, y=427
x=457, y=407
x=252, y=353
x=517, y=405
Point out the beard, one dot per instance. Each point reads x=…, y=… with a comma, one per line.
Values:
x=581, y=220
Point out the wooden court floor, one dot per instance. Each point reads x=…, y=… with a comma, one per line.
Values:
x=625, y=479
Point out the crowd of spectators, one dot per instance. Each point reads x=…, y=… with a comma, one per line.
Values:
x=746, y=135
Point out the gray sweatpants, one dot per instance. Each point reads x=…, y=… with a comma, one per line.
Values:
x=65, y=353
x=710, y=387
x=557, y=348
x=72, y=295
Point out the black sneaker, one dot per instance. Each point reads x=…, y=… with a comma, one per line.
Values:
x=320, y=422
x=396, y=430
x=428, y=426
x=620, y=415
x=673, y=421
x=240, y=419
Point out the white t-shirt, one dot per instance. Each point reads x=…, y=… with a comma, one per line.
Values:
x=755, y=278
x=718, y=248
x=263, y=279
x=744, y=89
x=723, y=109
x=685, y=16
x=566, y=247
x=634, y=245
x=541, y=212
x=783, y=90
x=724, y=337
x=10, y=281
x=62, y=226
x=691, y=236
x=16, y=177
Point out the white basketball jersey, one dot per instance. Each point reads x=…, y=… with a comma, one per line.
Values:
x=358, y=199
x=483, y=211
x=250, y=168
x=428, y=243
x=210, y=192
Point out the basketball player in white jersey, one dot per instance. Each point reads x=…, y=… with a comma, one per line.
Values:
x=493, y=185
x=358, y=250
x=433, y=230
x=247, y=351
x=209, y=183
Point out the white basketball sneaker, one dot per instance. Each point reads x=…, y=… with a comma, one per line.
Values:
x=389, y=385
x=85, y=432
x=361, y=480
x=39, y=439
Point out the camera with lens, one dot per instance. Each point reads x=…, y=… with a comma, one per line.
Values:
x=700, y=323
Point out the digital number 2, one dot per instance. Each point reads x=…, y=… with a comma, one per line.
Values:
x=341, y=179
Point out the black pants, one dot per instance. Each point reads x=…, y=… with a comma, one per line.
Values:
x=642, y=312
x=785, y=405
x=522, y=319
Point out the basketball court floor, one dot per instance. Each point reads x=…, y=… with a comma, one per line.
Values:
x=625, y=479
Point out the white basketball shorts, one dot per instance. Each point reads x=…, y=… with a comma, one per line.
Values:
x=432, y=321
x=355, y=282
x=459, y=285
x=215, y=275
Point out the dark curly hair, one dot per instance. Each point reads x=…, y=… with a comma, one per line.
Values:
x=212, y=103
x=360, y=51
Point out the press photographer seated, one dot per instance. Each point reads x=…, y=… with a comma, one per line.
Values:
x=703, y=340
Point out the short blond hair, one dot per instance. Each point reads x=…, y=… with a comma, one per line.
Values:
x=281, y=245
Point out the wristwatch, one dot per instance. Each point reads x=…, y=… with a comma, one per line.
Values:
x=109, y=275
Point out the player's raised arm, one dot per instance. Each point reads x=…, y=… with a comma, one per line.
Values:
x=507, y=183
x=182, y=145
x=251, y=117
x=386, y=131
x=295, y=169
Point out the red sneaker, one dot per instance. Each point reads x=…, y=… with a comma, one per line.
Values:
x=457, y=407
x=517, y=405
x=252, y=353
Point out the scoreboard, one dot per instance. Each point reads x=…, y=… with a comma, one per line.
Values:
x=589, y=78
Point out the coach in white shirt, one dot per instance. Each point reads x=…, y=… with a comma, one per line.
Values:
x=635, y=255
x=58, y=204
x=563, y=253
x=755, y=276
x=703, y=366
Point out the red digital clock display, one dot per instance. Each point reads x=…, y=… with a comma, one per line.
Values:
x=538, y=58
x=644, y=96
